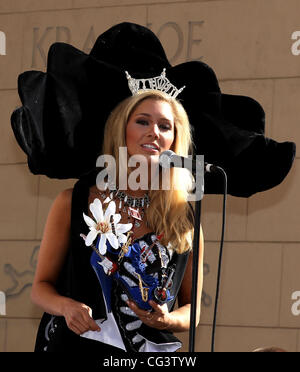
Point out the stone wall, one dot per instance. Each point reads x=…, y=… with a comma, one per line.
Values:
x=249, y=45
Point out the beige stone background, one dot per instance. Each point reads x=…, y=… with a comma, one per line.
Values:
x=249, y=45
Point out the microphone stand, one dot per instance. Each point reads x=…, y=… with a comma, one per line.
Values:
x=199, y=170
x=194, y=283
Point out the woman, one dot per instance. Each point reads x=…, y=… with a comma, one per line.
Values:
x=65, y=283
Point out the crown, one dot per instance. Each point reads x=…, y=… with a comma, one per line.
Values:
x=161, y=83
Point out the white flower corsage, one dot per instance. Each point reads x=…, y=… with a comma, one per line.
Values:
x=103, y=226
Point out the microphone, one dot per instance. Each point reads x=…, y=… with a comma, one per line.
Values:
x=169, y=159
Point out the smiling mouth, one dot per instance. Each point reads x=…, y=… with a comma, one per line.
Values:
x=150, y=147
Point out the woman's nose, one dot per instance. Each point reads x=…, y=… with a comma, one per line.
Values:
x=154, y=130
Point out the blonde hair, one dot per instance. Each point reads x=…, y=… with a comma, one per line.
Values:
x=169, y=212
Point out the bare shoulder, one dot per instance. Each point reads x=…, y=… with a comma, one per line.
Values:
x=61, y=207
x=58, y=222
x=64, y=198
x=66, y=195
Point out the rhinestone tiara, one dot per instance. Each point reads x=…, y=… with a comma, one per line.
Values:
x=161, y=83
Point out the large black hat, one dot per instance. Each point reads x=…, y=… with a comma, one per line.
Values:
x=60, y=125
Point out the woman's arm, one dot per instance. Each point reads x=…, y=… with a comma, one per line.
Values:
x=52, y=253
x=179, y=319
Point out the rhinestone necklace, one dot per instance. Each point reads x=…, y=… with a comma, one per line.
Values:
x=128, y=202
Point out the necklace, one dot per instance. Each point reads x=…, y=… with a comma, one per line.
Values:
x=131, y=201
x=128, y=203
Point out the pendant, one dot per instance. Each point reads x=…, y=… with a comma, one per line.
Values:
x=134, y=213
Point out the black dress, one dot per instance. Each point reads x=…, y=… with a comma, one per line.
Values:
x=121, y=329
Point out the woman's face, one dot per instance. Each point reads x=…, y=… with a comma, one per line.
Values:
x=150, y=129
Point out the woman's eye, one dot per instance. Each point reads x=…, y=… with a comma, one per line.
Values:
x=142, y=122
x=165, y=126
x=162, y=126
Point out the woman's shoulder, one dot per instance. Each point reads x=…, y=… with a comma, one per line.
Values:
x=64, y=199
x=60, y=211
x=66, y=194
